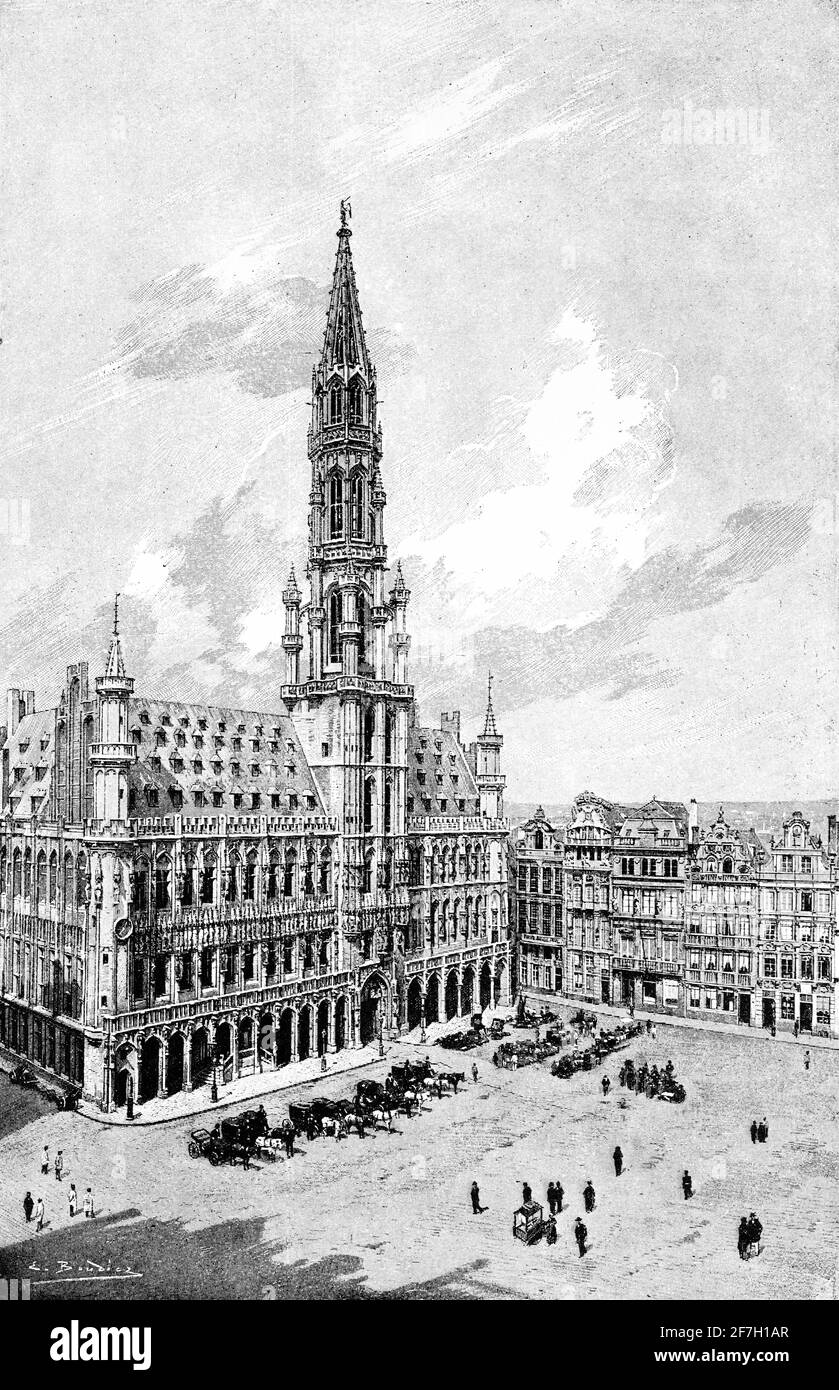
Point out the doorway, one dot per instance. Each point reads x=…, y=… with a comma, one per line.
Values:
x=744, y=1012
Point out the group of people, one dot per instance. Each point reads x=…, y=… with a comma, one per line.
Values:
x=759, y=1132
x=35, y=1208
x=748, y=1235
x=644, y=1080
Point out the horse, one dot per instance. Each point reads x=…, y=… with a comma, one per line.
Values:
x=333, y=1126
x=382, y=1116
x=355, y=1120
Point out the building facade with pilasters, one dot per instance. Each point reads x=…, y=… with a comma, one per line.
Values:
x=188, y=889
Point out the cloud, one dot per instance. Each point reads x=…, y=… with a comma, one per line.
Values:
x=241, y=318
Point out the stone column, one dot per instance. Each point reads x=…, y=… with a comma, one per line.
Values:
x=330, y=1036
x=187, y=1083
x=162, y=1058
x=295, y=1028
x=234, y=1044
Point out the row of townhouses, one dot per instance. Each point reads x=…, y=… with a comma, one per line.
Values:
x=190, y=890
x=640, y=905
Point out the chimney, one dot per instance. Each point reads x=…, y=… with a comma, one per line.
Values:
x=451, y=722
x=693, y=822
x=12, y=711
x=29, y=702
x=832, y=835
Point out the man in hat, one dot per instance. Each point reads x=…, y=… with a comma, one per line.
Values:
x=743, y=1237
x=59, y=1164
x=475, y=1194
x=687, y=1184
x=28, y=1204
x=551, y=1198
x=580, y=1234
x=588, y=1195
x=618, y=1160
x=753, y=1131
x=45, y=1159
x=559, y=1193
x=526, y=1193
x=39, y=1214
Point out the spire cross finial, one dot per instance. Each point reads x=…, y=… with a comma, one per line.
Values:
x=346, y=211
x=116, y=615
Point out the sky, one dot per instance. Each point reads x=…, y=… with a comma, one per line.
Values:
x=596, y=260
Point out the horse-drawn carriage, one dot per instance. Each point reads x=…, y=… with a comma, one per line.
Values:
x=497, y=1031
x=529, y=1223
x=22, y=1076
x=222, y=1144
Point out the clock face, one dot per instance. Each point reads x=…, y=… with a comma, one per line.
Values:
x=122, y=930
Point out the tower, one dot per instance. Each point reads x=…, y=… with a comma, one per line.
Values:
x=112, y=756
x=352, y=707
x=488, y=763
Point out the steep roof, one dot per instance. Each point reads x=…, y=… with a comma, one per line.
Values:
x=438, y=774
x=30, y=765
x=198, y=752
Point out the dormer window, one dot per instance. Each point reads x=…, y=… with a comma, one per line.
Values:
x=256, y=800
x=255, y=745
x=177, y=797
x=455, y=778
x=222, y=727
x=275, y=801
x=235, y=768
x=160, y=739
x=180, y=739
x=254, y=769
x=236, y=744
x=145, y=717
x=419, y=757
x=293, y=802
x=202, y=723
x=45, y=743
x=136, y=736
x=421, y=778
x=237, y=800
x=152, y=796
x=218, y=798
x=23, y=746
x=185, y=722
x=443, y=803
x=177, y=764
x=197, y=765
x=219, y=741
x=198, y=797
x=167, y=721
x=241, y=728
x=273, y=746
x=217, y=766
x=198, y=740
x=154, y=763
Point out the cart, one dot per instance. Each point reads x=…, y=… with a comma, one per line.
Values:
x=198, y=1142
x=528, y=1223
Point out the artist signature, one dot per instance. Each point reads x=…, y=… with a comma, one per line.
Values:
x=66, y=1271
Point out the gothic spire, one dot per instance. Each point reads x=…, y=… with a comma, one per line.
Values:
x=489, y=724
x=344, y=344
x=115, y=665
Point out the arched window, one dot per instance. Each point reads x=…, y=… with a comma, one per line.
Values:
x=309, y=880
x=389, y=737
x=435, y=865
x=69, y=881
x=16, y=874
x=334, y=645
x=357, y=506
x=273, y=875
x=367, y=875
x=288, y=873
x=727, y=866
x=53, y=876
x=232, y=878
x=369, y=795
x=162, y=885
x=188, y=881
x=444, y=921
x=81, y=880
x=369, y=732
x=208, y=880
x=388, y=807
x=356, y=403
x=336, y=506
x=27, y=872
x=336, y=404
x=538, y=840
x=249, y=886
x=325, y=871
x=361, y=615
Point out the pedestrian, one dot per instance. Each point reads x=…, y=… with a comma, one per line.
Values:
x=475, y=1072
x=807, y=1060
x=39, y=1214
x=551, y=1230
x=88, y=1203
x=551, y=1198
x=74, y=1199
x=743, y=1237
x=687, y=1184
x=580, y=1234
x=526, y=1193
x=606, y=1084
x=514, y=1061
x=475, y=1194
x=618, y=1160
x=753, y=1131
x=795, y=1029
x=495, y=1059
x=28, y=1204
x=654, y=1033
x=649, y=1026
x=323, y=1061
x=59, y=1164
x=246, y=1157
x=558, y=1194
x=765, y=1129
x=588, y=1195
x=45, y=1159
x=754, y=1231
x=761, y=1133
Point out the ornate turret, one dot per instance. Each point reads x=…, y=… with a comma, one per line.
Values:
x=113, y=755
x=292, y=641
